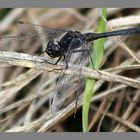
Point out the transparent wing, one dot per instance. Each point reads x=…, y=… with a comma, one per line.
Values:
x=28, y=31
x=70, y=85
x=49, y=33
x=62, y=92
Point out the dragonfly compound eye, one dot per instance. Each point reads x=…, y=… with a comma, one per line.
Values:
x=53, y=50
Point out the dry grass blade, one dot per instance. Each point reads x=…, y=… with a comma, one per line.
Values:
x=39, y=63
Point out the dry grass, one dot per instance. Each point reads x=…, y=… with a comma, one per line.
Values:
x=27, y=83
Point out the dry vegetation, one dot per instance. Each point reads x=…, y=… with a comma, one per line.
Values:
x=27, y=84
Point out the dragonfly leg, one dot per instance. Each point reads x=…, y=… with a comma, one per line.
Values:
x=66, y=61
x=53, y=63
x=57, y=60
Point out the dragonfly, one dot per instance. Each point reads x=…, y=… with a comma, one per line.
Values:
x=65, y=44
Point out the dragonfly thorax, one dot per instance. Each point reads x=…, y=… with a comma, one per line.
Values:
x=71, y=40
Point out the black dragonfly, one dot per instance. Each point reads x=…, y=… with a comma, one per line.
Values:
x=65, y=43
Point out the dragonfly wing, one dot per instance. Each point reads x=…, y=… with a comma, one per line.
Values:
x=62, y=92
x=32, y=32
x=39, y=31
x=68, y=84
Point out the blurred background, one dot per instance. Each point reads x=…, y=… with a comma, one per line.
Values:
x=25, y=92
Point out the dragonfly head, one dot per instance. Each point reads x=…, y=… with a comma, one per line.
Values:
x=53, y=49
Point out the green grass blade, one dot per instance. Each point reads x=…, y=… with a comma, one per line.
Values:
x=98, y=52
